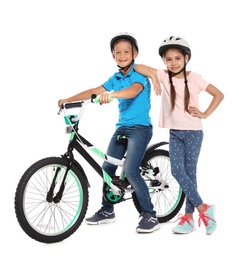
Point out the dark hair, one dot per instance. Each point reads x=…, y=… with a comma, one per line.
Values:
x=172, y=88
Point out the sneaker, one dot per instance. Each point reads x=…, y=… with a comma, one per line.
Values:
x=101, y=217
x=185, y=226
x=147, y=223
x=208, y=218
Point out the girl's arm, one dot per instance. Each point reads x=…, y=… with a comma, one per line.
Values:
x=217, y=99
x=150, y=73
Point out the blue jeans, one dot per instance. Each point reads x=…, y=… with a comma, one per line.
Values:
x=138, y=137
x=184, y=150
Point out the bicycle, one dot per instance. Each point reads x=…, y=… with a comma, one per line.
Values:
x=52, y=196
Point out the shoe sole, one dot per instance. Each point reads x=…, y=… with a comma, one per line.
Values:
x=183, y=233
x=104, y=221
x=139, y=230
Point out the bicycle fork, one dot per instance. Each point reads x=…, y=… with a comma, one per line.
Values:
x=50, y=194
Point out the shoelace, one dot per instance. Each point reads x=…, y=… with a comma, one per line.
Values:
x=144, y=217
x=100, y=211
x=205, y=218
x=182, y=219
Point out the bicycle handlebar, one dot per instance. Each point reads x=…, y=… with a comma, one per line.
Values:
x=82, y=104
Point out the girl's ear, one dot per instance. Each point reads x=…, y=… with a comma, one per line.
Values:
x=186, y=58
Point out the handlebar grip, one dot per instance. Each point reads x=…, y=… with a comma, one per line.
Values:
x=73, y=104
x=97, y=100
x=70, y=105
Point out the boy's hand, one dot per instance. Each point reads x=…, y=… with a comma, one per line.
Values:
x=60, y=103
x=106, y=98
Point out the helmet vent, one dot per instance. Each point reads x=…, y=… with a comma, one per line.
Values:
x=175, y=42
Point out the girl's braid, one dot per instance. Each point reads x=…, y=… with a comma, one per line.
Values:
x=173, y=93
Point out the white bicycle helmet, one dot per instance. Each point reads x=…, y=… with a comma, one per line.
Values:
x=175, y=42
x=124, y=35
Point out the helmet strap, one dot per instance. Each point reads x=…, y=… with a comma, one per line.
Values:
x=124, y=69
x=184, y=67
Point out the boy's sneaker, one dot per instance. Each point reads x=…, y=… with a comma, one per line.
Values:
x=147, y=223
x=101, y=217
x=208, y=218
x=185, y=226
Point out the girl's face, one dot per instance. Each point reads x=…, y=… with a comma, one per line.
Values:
x=174, y=60
x=123, y=53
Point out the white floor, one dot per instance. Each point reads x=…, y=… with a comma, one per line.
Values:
x=120, y=241
x=46, y=56
x=217, y=184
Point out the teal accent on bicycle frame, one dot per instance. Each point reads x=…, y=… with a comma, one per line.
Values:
x=107, y=178
x=68, y=119
x=72, y=136
x=97, y=151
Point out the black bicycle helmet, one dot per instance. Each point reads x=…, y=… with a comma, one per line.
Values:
x=124, y=35
x=175, y=42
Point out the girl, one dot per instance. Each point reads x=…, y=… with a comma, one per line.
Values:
x=180, y=113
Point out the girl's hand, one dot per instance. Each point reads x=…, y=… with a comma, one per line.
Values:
x=157, y=86
x=195, y=112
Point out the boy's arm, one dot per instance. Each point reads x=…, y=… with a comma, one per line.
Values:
x=150, y=73
x=127, y=93
x=84, y=95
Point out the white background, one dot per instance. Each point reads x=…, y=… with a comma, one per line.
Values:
x=54, y=49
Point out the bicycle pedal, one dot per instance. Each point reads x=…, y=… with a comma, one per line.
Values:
x=120, y=183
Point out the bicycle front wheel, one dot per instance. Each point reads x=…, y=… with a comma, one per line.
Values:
x=166, y=194
x=40, y=217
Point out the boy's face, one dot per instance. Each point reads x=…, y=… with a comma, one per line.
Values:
x=123, y=53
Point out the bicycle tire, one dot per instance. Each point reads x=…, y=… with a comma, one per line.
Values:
x=50, y=222
x=168, y=201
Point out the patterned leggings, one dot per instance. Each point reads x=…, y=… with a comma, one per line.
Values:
x=184, y=150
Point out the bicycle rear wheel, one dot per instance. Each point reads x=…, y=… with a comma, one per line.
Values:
x=166, y=194
x=48, y=221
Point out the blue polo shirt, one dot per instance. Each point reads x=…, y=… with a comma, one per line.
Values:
x=133, y=111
